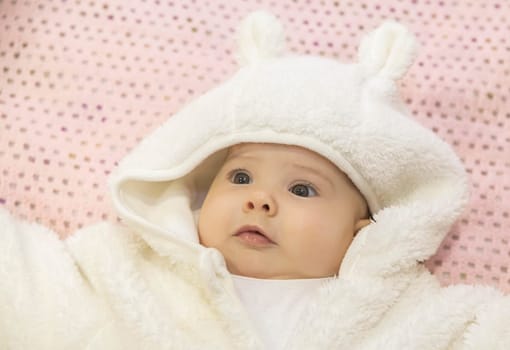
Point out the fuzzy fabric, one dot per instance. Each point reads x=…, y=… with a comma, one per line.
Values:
x=149, y=285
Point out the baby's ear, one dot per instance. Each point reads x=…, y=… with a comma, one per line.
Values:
x=388, y=51
x=260, y=36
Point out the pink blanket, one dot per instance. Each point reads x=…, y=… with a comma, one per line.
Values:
x=81, y=82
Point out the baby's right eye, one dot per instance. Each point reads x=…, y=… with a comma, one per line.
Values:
x=240, y=177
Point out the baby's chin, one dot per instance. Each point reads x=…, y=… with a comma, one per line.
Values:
x=251, y=272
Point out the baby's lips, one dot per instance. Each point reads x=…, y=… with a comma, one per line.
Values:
x=253, y=228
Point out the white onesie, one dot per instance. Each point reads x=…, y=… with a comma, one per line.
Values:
x=274, y=306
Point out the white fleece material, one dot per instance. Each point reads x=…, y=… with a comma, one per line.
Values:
x=148, y=283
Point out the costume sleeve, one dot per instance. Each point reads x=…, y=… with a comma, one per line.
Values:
x=44, y=300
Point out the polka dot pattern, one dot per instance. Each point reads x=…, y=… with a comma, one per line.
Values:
x=82, y=82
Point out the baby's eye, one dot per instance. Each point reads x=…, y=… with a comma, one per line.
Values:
x=240, y=178
x=303, y=190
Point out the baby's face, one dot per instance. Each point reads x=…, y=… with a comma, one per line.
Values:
x=280, y=212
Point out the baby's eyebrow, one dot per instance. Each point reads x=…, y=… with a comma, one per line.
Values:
x=313, y=171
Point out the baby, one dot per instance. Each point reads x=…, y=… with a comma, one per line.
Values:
x=280, y=212
x=291, y=207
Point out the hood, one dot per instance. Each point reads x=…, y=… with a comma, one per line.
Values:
x=351, y=114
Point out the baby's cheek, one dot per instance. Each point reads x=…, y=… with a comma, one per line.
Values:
x=206, y=226
x=202, y=234
x=304, y=244
x=334, y=243
x=322, y=260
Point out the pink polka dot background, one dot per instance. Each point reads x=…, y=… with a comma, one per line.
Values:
x=81, y=82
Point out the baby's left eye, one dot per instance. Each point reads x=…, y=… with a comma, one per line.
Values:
x=239, y=177
x=303, y=190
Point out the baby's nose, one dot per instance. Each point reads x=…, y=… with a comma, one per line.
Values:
x=260, y=201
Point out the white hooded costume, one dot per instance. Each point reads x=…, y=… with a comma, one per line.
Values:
x=149, y=284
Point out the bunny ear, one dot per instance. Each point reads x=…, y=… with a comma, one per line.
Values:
x=388, y=51
x=260, y=36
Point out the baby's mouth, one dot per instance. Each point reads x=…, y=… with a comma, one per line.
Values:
x=254, y=235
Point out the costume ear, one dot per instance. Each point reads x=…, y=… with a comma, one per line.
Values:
x=260, y=36
x=388, y=51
